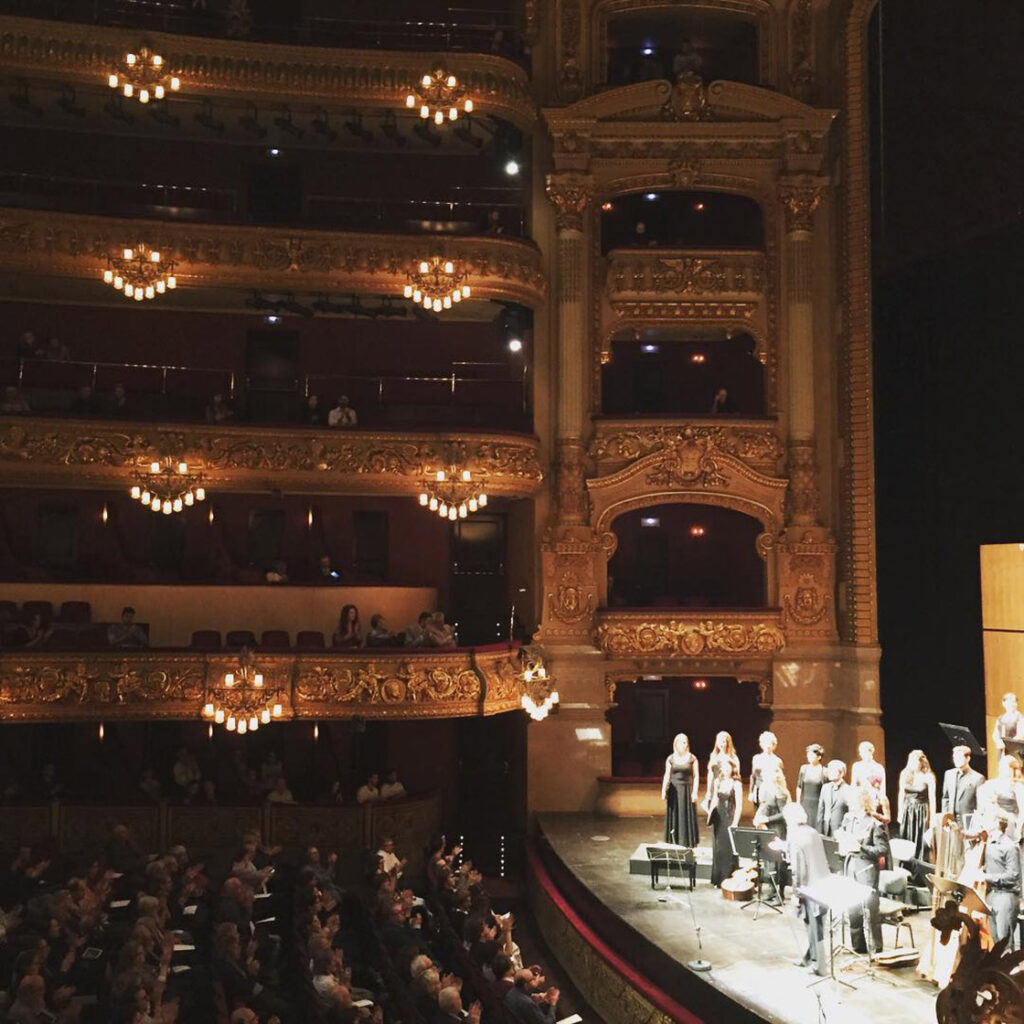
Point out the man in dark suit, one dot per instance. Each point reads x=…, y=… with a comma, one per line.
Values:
x=1002, y=873
x=960, y=786
x=527, y=1007
x=865, y=843
x=833, y=803
x=808, y=864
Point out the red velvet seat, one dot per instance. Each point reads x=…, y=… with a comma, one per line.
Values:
x=309, y=640
x=240, y=638
x=275, y=639
x=76, y=612
x=205, y=640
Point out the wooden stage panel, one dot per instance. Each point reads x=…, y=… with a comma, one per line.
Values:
x=752, y=976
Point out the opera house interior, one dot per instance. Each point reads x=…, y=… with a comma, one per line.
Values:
x=427, y=430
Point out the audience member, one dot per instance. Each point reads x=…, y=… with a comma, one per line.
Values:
x=342, y=415
x=84, y=402
x=277, y=573
x=14, y=403
x=392, y=789
x=118, y=406
x=35, y=633
x=723, y=402
x=312, y=413
x=27, y=346
x=349, y=632
x=325, y=571
x=369, y=791
x=391, y=863
x=438, y=632
x=56, y=351
x=687, y=61
x=449, y=1002
x=525, y=1005
x=219, y=411
x=379, y=634
x=416, y=636
x=186, y=770
x=127, y=633
x=280, y=794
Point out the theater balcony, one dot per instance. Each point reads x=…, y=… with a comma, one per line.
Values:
x=169, y=684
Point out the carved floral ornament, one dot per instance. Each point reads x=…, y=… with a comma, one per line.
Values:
x=87, y=53
x=663, y=272
x=800, y=199
x=570, y=192
x=73, y=245
x=30, y=448
x=672, y=637
x=37, y=686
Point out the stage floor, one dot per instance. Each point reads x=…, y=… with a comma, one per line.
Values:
x=751, y=960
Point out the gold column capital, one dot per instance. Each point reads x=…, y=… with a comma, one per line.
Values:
x=571, y=193
x=800, y=197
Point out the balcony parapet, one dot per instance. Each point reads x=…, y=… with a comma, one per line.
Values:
x=271, y=259
x=269, y=72
x=677, y=273
x=38, y=686
x=712, y=634
x=38, y=451
x=619, y=442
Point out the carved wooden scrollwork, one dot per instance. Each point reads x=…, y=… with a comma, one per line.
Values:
x=673, y=637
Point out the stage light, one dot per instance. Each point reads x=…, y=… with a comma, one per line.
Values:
x=650, y=349
x=273, y=151
x=648, y=51
x=515, y=345
x=512, y=168
x=272, y=319
x=651, y=196
x=650, y=521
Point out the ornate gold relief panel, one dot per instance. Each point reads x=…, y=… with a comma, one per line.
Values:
x=648, y=634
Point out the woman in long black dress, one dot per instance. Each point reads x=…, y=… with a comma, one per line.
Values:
x=810, y=780
x=916, y=805
x=724, y=813
x=679, y=790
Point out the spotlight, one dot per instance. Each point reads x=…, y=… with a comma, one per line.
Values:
x=272, y=318
x=273, y=151
x=650, y=349
x=699, y=207
x=651, y=196
x=650, y=521
x=515, y=345
x=648, y=50
x=512, y=168
x=697, y=531
x=698, y=357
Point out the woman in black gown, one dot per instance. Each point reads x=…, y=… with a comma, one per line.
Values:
x=810, y=780
x=724, y=813
x=916, y=803
x=679, y=790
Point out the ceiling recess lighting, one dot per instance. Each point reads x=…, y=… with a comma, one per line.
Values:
x=144, y=77
x=439, y=97
x=651, y=196
x=650, y=349
x=650, y=521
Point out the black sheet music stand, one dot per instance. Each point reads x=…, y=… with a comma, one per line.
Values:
x=753, y=843
x=670, y=856
x=961, y=736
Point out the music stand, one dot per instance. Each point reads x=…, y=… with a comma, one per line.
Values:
x=961, y=736
x=670, y=855
x=838, y=895
x=960, y=892
x=836, y=861
x=751, y=843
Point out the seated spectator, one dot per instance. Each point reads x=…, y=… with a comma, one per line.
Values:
x=27, y=346
x=723, y=402
x=280, y=794
x=219, y=411
x=35, y=634
x=56, y=351
x=186, y=770
x=416, y=636
x=370, y=790
x=342, y=415
x=687, y=61
x=14, y=403
x=313, y=414
x=527, y=1006
x=277, y=573
x=438, y=632
x=392, y=788
x=84, y=403
x=30, y=1006
x=325, y=571
x=118, y=406
x=349, y=632
x=390, y=860
x=380, y=635
x=449, y=1001
x=127, y=633
x=504, y=975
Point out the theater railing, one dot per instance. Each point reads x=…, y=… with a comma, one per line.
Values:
x=98, y=453
x=268, y=73
x=271, y=260
x=700, y=633
x=79, y=829
x=170, y=684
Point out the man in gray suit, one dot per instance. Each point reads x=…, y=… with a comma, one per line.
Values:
x=833, y=803
x=1002, y=872
x=960, y=786
x=865, y=843
x=808, y=864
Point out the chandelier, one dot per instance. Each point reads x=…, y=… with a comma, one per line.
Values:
x=539, y=695
x=438, y=96
x=243, y=704
x=452, y=493
x=140, y=273
x=167, y=486
x=144, y=77
x=436, y=284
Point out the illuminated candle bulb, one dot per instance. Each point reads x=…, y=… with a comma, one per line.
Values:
x=433, y=504
x=463, y=511
x=457, y=296
x=190, y=498
x=465, y=291
x=158, y=92
x=257, y=680
x=277, y=710
x=161, y=287
x=443, y=510
x=155, y=506
x=482, y=500
x=427, y=302
x=143, y=95
x=426, y=80
x=452, y=81
x=138, y=296
x=136, y=492
x=230, y=723
x=108, y=277
x=128, y=90
x=243, y=726
x=410, y=101
x=129, y=290
x=449, y=267
x=209, y=731
x=417, y=295
x=316, y=730
x=439, y=476
x=172, y=281
x=157, y=60
x=112, y=81
x=118, y=282
x=465, y=475
x=201, y=496
x=154, y=256
x=178, y=505
x=254, y=723
x=175, y=83
x=472, y=505
x=150, y=291
x=447, y=303
x=229, y=678
x=453, y=113
x=218, y=716
x=407, y=291
x=265, y=716
x=154, y=467
x=145, y=497
x=101, y=732
x=438, y=117
x=182, y=468
x=424, y=111
x=423, y=266
x=208, y=710
x=437, y=305
x=168, y=509
x=130, y=59
x=453, y=512
x=424, y=498
x=468, y=106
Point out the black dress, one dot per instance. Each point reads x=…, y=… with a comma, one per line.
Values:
x=810, y=781
x=723, y=861
x=680, y=810
x=914, y=819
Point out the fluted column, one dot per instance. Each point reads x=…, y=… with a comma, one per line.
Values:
x=571, y=192
x=800, y=197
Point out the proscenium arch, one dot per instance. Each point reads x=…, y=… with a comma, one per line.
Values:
x=761, y=12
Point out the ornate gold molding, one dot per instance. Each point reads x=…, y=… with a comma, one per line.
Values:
x=42, y=686
x=570, y=194
x=76, y=245
x=684, y=272
x=617, y=442
x=675, y=635
x=97, y=453
x=800, y=198
x=263, y=71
